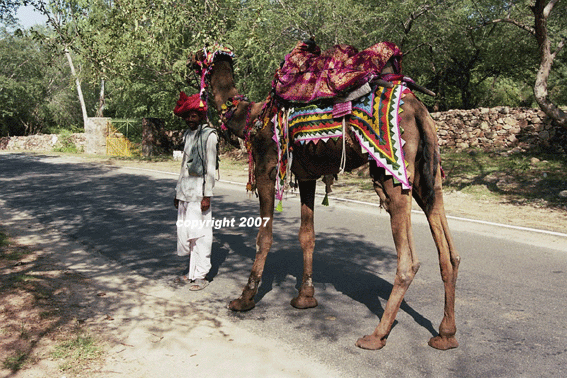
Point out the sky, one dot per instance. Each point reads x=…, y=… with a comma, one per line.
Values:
x=28, y=17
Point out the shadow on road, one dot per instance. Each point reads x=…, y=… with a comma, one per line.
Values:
x=131, y=219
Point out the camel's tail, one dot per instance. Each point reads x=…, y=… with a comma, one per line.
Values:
x=430, y=158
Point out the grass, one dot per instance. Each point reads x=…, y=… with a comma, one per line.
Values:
x=16, y=361
x=533, y=178
x=15, y=255
x=76, y=352
x=3, y=239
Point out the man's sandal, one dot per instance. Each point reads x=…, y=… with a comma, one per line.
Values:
x=181, y=280
x=199, y=284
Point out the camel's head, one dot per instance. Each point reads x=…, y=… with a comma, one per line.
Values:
x=203, y=60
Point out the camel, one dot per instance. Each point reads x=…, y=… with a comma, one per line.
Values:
x=312, y=161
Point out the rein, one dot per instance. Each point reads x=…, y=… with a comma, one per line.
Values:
x=228, y=109
x=227, y=112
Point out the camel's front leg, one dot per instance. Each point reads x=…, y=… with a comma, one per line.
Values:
x=266, y=192
x=398, y=204
x=305, y=298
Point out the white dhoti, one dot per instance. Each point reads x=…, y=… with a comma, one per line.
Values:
x=195, y=237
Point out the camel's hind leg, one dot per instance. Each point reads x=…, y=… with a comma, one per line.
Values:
x=448, y=261
x=398, y=203
x=305, y=298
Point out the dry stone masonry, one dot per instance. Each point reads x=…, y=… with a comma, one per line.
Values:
x=489, y=129
x=40, y=142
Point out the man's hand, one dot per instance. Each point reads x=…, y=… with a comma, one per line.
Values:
x=176, y=203
x=205, y=204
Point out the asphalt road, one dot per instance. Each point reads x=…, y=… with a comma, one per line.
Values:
x=511, y=306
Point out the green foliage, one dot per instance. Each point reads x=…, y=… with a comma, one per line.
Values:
x=65, y=142
x=35, y=91
x=140, y=48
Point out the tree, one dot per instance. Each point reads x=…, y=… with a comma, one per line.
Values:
x=61, y=16
x=8, y=10
x=34, y=87
x=551, y=37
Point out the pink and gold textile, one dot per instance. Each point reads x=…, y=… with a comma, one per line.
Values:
x=309, y=74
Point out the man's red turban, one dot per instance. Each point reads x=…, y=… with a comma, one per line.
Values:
x=186, y=104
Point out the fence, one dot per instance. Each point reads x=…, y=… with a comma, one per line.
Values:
x=122, y=134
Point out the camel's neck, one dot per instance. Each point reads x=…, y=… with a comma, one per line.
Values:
x=222, y=84
x=223, y=88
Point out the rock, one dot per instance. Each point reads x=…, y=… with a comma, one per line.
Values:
x=511, y=121
x=544, y=135
x=563, y=194
x=535, y=119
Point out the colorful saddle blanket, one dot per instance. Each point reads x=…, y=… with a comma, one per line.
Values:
x=308, y=75
x=374, y=119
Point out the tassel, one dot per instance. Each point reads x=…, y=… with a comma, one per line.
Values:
x=325, y=200
x=279, y=207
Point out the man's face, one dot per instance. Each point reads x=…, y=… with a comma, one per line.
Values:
x=192, y=119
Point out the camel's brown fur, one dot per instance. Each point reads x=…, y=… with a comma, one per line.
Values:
x=310, y=162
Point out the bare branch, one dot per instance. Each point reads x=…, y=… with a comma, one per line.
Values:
x=414, y=16
x=560, y=46
x=548, y=8
x=527, y=28
x=408, y=52
x=411, y=19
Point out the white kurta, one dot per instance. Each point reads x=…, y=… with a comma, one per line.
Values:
x=194, y=228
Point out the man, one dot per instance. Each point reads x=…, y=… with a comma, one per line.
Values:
x=194, y=191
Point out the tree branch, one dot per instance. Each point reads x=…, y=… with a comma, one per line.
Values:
x=411, y=19
x=548, y=8
x=527, y=28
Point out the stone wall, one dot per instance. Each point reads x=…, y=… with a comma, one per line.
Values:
x=501, y=128
x=40, y=142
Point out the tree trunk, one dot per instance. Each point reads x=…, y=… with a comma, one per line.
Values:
x=78, y=83
x=100, y=111
x=541, y=13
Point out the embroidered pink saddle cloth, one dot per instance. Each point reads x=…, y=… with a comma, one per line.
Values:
x=308, y=74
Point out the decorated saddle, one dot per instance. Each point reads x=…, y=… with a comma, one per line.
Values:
x=373, y=118
x=308, y=75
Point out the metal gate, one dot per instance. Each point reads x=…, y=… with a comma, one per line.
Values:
x=119, y=135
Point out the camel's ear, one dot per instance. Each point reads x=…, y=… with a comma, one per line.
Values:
x=193, y=59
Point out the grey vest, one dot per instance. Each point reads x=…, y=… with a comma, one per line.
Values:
x=196, y=164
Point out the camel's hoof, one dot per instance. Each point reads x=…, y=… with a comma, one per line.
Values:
x=371, y=342
x=241, y=304
x=443, y=343
x=304, y=302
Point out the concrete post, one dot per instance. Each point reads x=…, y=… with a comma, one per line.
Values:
x=96, y=131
